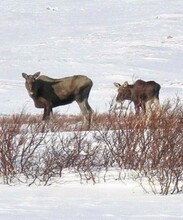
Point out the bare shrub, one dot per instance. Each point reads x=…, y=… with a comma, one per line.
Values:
x=164, y=154
x=9, y=128
x=34, y=152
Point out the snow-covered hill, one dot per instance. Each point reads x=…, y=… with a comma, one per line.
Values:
x=107, y=40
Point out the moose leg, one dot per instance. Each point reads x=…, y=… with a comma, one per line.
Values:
x=86, y=111
x=148, y=106
x=157, y=105
x=153, y=104
x=89, y=112
x=143, y=107
x=47, y=111
x=137, y=108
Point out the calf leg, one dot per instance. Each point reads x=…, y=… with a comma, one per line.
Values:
x=153, y=104
x=150, y=105
x=143, y=107
x=148, y=110
x=137, y=108
x=157, y=105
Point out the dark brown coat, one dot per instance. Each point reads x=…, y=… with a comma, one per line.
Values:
x=48, y=93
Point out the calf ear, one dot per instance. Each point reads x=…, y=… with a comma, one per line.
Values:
x=36, y=75
x=24, y=75
x=117, y=84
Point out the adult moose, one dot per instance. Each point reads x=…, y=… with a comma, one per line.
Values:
x=142, y=94
x=48, y=93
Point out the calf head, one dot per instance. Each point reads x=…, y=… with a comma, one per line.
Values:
x=29, y=82
x=124, y=92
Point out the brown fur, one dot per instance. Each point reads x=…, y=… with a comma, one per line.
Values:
x=48, y=93
x=139, y=93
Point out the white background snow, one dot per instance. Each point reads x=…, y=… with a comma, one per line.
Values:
x=107, y=40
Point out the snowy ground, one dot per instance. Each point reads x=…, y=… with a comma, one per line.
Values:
x=108, y=40
x=87, y=202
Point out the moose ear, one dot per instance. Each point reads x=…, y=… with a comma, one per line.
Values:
x=36, y=75
x=117, y=84
x=125, y=84
x=24, y=75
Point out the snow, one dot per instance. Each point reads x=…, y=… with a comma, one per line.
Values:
x=111, y=201
x=107, y=40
